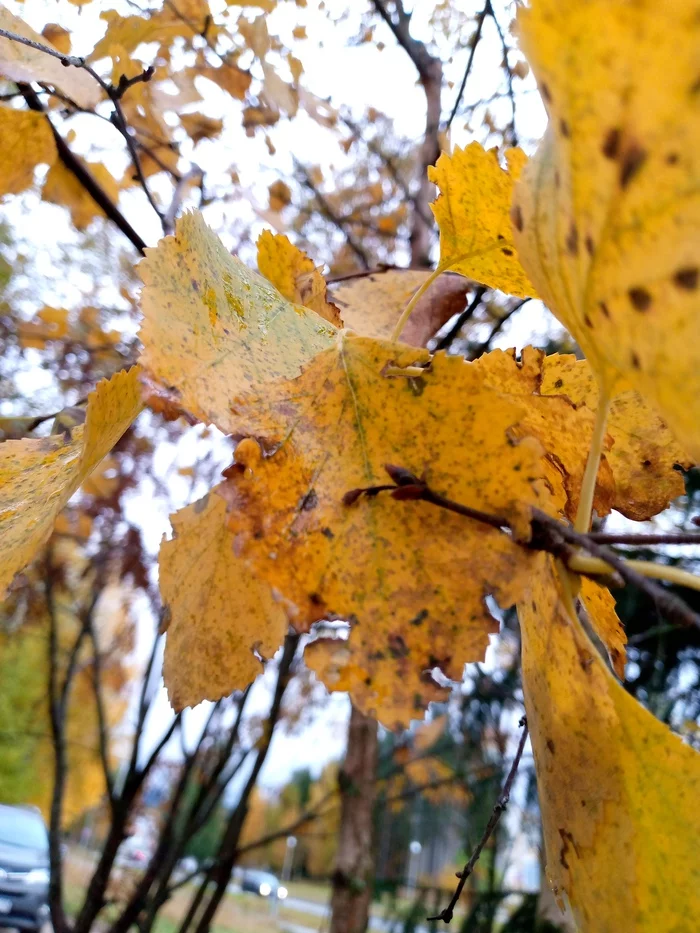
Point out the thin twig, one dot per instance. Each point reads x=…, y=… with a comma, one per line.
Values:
x=509, y=74
x=611, y=537
x=501, y=804
x=446, y=340
x=474, y=43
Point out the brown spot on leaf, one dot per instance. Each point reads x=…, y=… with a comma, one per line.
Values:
x=397, y=646
x=572, y=240
x=564, y=127
x=309, y=502
x=630, y=164
x=590, y=246
x=419, y=618
x=516, y=215
x=507, y=252
x=605, y=311
x=640, y=298
x=611, y=143
x=672, y=158
x=686, y=278
x=587, y=321
x=550, y=745
x=546, y=93
x=634, y=359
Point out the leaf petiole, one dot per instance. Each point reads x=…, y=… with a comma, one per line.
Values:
x=585, y=505
x=580, y=563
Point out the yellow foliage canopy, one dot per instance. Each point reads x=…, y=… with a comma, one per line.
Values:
x=27, y=142
x=216, y=611
x=38, y=477
x=618, y=791
x=212, y=327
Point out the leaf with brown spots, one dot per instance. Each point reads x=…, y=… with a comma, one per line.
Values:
x=563, y=429
x=472, y=212
x=38, y=477
x=294, y=275
x=412, y=578
x=618, y=791
x=212, y=327
x=609, y=216
x=644, y=453
x=372, y=304
x=217, y=611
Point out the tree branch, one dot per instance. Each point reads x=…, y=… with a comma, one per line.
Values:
x=470, y=61
x=501, y=804
x=548, y=534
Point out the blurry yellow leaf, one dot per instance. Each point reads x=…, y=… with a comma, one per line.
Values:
x=280, y=197
x=278, y=93
x=23, y=63
x=38, y=477
x=606, y=213
x=56, y=319
x=164, y=25
x=472, y=212
x=198, y=126
x=644, y=452
x=49, y=324
x=259, y=116
x=212, y=326
x=299, y=32
x=428, y=733
x=372, y=304
x=295, y=276
x=57, y=36
x=255, y=35
x=266, y=5
x=98, y=483
x=618, y=792
x=62, y=187
x=27, y=141
x=599, y=604
x=417, y=607
x=296, y=67
x=230, y=78
x=217, y=612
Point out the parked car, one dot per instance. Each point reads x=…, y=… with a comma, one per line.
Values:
x=263, y=883
x=24, y=868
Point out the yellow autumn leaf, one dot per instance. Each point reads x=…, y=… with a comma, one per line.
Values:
x=294, y=275
x=280, y=195
x=27, y=142
x=232, y=79
x=372, y=304
x=58, y=37
x=38, y=477
x=217, y=611
x=563, y=429
x=62, y=187
x=198, y=126
x=618, y=792
x=644, y=455
x=599, y=604
x=164, y=25
x=350, y=412
x=212, y=327
x=23, y=63
x=606, y=217
x=472, y=213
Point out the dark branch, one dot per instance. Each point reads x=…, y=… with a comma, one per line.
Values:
x=501, y=804
x=467, y=71
x=446, y=340
x=548, y=534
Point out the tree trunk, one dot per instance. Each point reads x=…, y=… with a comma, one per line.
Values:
x=354, y=867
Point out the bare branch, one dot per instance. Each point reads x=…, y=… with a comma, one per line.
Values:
x=501, y=804
x=476, y=38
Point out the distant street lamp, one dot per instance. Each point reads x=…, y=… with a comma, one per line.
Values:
x=289, y=858
x=414, y=851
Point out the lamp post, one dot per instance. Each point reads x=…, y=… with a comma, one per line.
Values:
x=414, y=851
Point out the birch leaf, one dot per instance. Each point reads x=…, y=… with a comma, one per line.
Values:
x=22, y=63
x=618, y=792
x=607, y=214
x=217, y=611
x=472, y=212
x=212, y=327
x=38, y=477
x=27, y=142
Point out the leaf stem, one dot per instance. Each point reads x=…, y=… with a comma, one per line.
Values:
x=579, y=563
x=406, y=313
x=585, y=505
